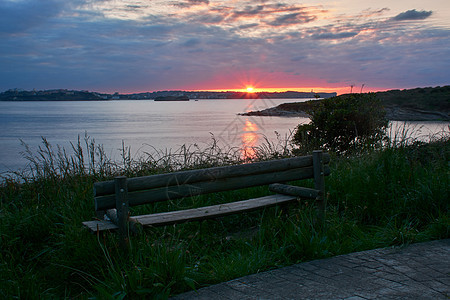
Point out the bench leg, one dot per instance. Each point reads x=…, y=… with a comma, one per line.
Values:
x=319, y=184
x=122, y=210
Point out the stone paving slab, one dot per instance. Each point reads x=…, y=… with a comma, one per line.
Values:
x=418, y=271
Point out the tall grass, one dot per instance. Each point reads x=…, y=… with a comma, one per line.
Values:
x=394, y=196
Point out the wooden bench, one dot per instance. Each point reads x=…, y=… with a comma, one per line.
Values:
x=113, y=198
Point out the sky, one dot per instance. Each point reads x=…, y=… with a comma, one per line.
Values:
x=150, y=45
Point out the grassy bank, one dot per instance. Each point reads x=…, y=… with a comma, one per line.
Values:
x=419, y=104
x=390, y=197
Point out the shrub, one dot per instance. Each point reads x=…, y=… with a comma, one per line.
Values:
x=343, y=124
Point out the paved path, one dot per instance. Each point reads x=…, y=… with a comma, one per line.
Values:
x=418, y=271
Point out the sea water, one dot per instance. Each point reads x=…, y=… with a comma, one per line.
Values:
x=145, y=126
x=141, y=125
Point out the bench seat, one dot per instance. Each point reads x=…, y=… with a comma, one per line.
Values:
x=192, y=214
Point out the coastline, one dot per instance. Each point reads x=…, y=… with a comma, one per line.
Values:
x=393, y=113
x=277, y=112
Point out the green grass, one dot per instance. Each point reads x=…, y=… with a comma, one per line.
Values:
x=391, y=197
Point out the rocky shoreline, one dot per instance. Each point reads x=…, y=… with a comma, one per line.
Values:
x=412, y=114
x=276, y=112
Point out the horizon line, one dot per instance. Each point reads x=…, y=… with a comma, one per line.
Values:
x=255, y=90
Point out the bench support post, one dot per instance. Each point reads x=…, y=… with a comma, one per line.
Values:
x=319, y=184
x=121, y=191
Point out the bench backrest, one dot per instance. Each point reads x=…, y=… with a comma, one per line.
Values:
x=162, y=187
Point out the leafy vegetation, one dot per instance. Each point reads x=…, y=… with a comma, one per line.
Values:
x=353, y=123
x=393, y=196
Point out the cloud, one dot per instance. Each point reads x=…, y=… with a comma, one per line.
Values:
x=247, y=26
x=298, y=58
x=334, y=36
x=272, y=14
x=248, y=11
x=374, y=12
x=208, y=18
x=19, y=16
x=412, y=15
x=190, y=3
x=191, y=42
x=292, y=19
x=195, y=2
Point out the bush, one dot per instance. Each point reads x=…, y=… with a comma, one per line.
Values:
x=343, y=124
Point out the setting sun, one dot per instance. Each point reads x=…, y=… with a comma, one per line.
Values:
x=249, y=89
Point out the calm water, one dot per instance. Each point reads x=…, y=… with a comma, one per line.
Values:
x=143, y=125
x=140, y=124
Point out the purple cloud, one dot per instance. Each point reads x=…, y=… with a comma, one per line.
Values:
x=412, y=15
x=190, y=3
x=17, y=17
x=334, y=36
x=290, y=19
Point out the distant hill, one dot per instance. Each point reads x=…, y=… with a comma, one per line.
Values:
x=70, y=95
x=419, y=104
x=50, y=95
x=437, y=98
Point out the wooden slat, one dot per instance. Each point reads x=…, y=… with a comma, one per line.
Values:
x=102, y=225
x=195, y=213
x=99, y=225
x=224, y=184
x=192, y=176
x=213, y=211
x=294, y=190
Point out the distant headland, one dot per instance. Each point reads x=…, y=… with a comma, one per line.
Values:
x=72, y=95
x=419, y=104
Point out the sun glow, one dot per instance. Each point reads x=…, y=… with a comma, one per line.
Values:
x=251, y=89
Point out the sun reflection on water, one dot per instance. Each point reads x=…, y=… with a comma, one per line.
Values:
x=249, y=140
